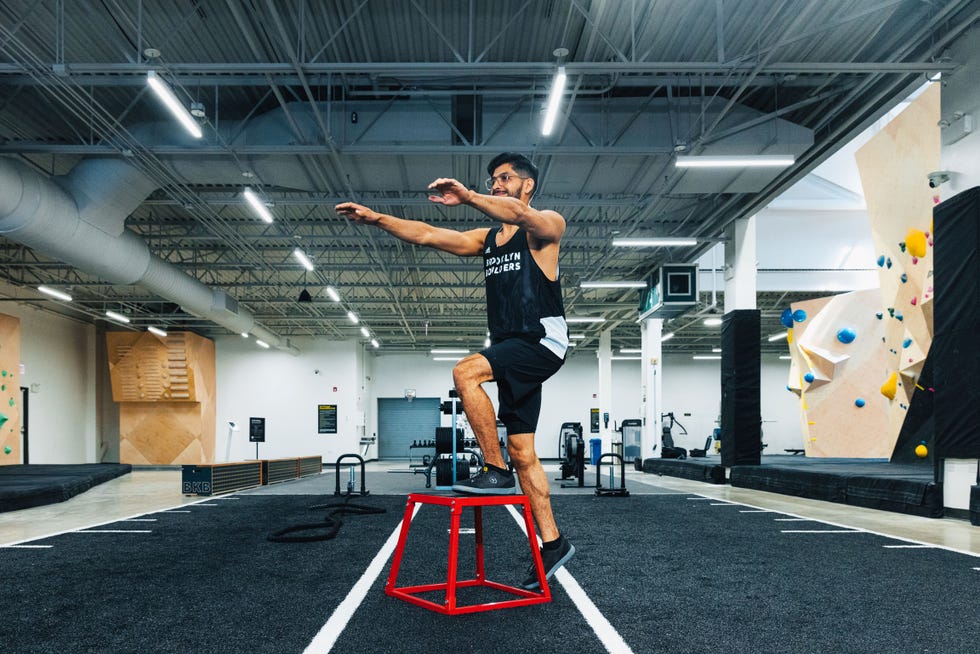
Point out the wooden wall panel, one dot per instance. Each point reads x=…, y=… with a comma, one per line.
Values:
x=10, y=449
x=166, y=390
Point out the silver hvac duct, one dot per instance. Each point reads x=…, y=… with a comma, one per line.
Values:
x=80, y=220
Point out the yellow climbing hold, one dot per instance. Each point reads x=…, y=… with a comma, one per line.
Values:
x=915, y=242
x=890, y=386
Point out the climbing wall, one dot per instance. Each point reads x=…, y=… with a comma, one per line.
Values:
x=10, y=450
x=857, y=357
x=836, y=362
x=166, y=390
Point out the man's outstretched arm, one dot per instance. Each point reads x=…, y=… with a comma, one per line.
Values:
x=464, y=244
x=542, y=225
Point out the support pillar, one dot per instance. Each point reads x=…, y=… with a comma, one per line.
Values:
x=651, y=385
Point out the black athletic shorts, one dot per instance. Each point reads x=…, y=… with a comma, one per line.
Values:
x=519, y=368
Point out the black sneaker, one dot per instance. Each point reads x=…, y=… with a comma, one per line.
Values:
x=552, y=560
x=491, y=480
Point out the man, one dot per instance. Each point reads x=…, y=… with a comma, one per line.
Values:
x=528, y=334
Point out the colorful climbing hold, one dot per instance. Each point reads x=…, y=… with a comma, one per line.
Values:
x=915, y=241
x=846, y=335
x=859, y=402
x=808, y=377
x=786, y=318
x=799, y=315
x=890, y=386
x=907, y=342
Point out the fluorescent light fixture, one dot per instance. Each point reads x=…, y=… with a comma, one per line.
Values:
x=554, y=101
x=667, y=337
x=712, y=322
x=262, y=344
x=486, y=343
x=446, y=358
x=630, y=351
x=333, y=294
x=623, y=284
x=448, y=351
x=258, y=206
x=778, y=337
x=716, y=350
x=156, y=330
x=375, y=343
x=166, y=95
x=352, y=317
x=624, y=358
x=750, y=161
x=583, y=319
x=577, y=337
x=706, y=357
x=118, y=317
x=666, y=242
x=365, y=333
x=55, y=293
x=303, y=259
x=244, y=334
x=572, y=344
x=785, y=357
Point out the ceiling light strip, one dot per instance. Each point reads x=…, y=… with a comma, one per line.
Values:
x=166, y=95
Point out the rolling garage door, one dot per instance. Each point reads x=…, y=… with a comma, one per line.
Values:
x=400, y=422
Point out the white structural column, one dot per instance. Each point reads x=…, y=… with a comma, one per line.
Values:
x=605, y=389
x=651, y=385
x=740, y=265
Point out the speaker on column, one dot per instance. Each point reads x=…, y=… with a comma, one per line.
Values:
x=741, y=413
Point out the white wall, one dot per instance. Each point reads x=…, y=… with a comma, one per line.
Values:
x=58, y=357
x=285, y=390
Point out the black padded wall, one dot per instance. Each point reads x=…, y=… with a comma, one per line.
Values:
x=955, y=351
x=741, y=414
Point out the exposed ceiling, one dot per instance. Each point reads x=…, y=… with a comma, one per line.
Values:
x=314, y=103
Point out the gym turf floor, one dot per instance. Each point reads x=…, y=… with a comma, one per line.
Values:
x=657, y=572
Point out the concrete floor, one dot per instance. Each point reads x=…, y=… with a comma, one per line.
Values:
x=146, y=491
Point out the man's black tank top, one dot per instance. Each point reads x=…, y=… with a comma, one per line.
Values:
x=521, y=301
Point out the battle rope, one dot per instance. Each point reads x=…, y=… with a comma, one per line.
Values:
x=328, y=528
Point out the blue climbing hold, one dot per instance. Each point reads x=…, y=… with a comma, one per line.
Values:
x=799, y=315
x=787, y=318
x=859, y=402
x=808, y=377
x=846, y=335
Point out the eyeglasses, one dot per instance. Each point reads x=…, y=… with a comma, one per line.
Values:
x=503, y=178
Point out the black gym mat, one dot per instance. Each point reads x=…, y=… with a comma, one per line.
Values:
x=671, y=573
x=26, y=486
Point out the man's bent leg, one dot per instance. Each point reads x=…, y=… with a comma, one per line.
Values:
x=534, y=482
x=469, y=375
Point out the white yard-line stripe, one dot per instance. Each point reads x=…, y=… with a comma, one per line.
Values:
x=106, y=522
x=867, y=531
x=113, y=531
x=603, y=629
x=26, y=547
x=325, y=639
x=908, y=547
x=821, y=531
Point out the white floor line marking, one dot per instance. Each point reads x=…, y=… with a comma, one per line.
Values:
x=606, y=633
x=203, y=504
x=866, y=531
x=821, y=531
x=26, y=547
x=977, y=569
x=755, y=511
x=139, y=520
x=113, y=531
x=723, y=504
x=698, y=499
x=106, y=522
x=790, y=520
x=907, y=547
x=325, y=639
